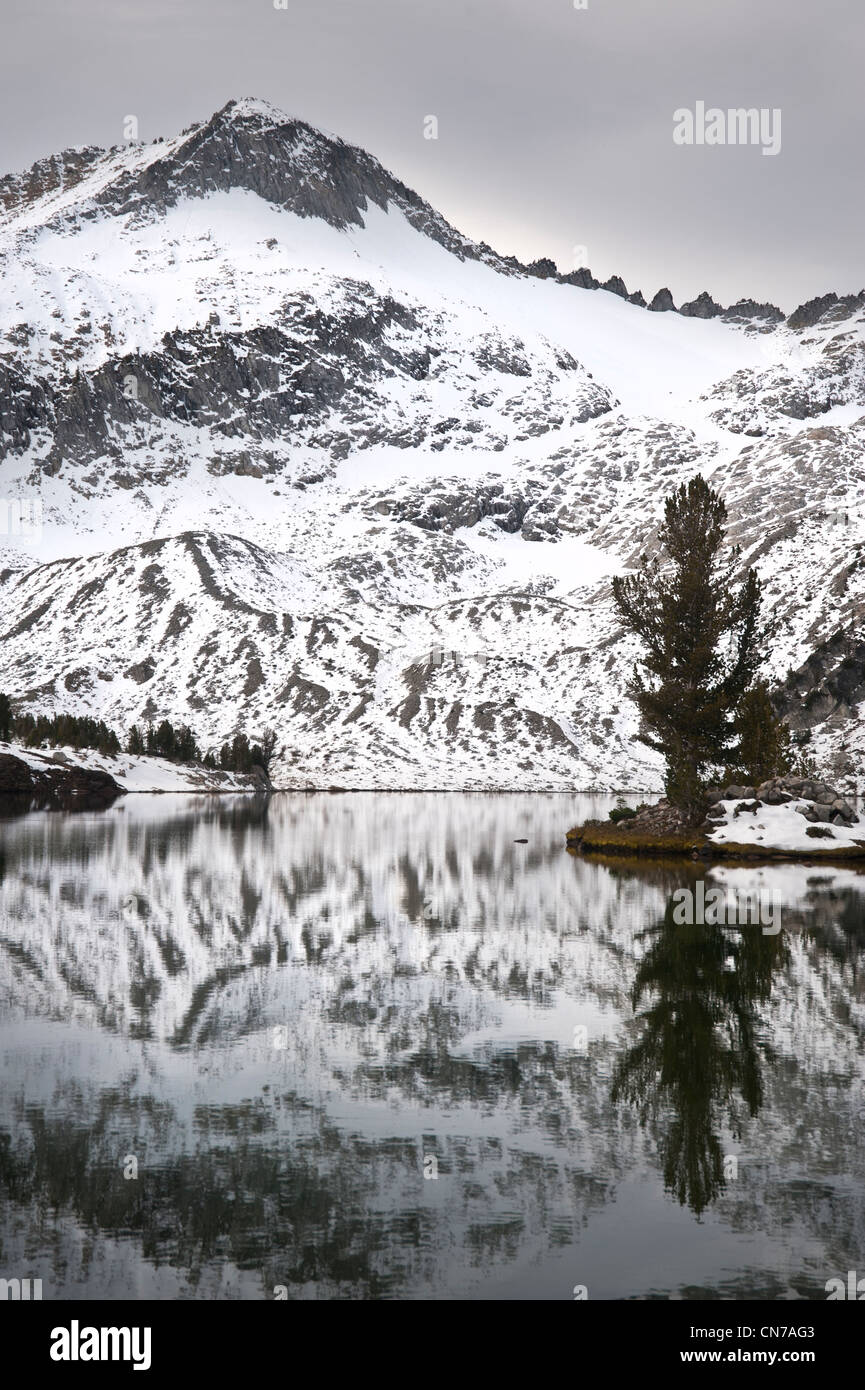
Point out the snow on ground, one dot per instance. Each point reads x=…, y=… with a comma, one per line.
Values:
x=571, y=562
x=134, y=774
x=783, y=827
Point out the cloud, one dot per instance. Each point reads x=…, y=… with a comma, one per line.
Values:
x=555, y=124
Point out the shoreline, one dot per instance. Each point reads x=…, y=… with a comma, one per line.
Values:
x=597, y=842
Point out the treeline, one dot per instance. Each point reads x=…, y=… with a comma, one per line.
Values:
x=176, y=743
x=242, y=756
x=179, y=745
x=67, y=730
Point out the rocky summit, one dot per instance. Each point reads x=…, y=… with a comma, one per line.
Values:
x=280, y=446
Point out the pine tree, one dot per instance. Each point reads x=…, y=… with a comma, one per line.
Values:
x=135, y=742
x=765, y=746
x=5, y=718
x=701, y=639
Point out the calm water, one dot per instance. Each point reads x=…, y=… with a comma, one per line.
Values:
x=284, y=1016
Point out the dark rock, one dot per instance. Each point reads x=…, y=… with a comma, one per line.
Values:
x=703, y=307
x=545, y=269
x=616, y=285
x=582, y=278
x=831, y=681
x=662, y=303
x=819, y=832
x=53, y=787
x=811, y=312
x=745, y=309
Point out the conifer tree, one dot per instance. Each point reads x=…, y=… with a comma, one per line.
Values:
x=5, y=718
x=765, y=747
x=135, y=742
x=701, y=637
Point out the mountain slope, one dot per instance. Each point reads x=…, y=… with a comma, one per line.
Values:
x=328, y=465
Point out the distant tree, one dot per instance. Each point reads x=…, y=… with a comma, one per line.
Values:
x=164, y=740
x=701, y=640
x=64, y=730
x=5, y=718
x=135, y=743
x=241, y=756
x=267, y=748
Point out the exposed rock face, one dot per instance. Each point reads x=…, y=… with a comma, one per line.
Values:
x=544, y=269
x=582, y=278
x=703, y=307
x=446, y=509
x=662, y=303
x=23, y=788
x=746, y=309
x=63, y=170
x=825, y=305
x=616, y=285
x=830, y=682
x=251, y=145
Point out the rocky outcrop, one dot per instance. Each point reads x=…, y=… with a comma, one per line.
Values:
x=663, y=303
x=831, y=682
x=703, y=307
x=810, y=313
x=544, y=268
x=815, y=800
x=443, y=508
x=24, y=788
x=746, y=309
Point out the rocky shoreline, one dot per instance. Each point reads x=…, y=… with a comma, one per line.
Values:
x=53, y=788
x=786, y=817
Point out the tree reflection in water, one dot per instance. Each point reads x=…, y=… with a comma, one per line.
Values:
x=697, y=1062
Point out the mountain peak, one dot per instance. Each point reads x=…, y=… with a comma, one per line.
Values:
x=242, y=108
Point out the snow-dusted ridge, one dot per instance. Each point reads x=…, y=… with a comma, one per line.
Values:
x=133, y=773
x=309, y=457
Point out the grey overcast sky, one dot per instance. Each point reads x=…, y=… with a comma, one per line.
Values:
x=555, y=124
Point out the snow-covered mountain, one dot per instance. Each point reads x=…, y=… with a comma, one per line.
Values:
x=308, y=457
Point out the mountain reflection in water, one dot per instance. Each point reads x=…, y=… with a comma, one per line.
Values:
x=283, y=1015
